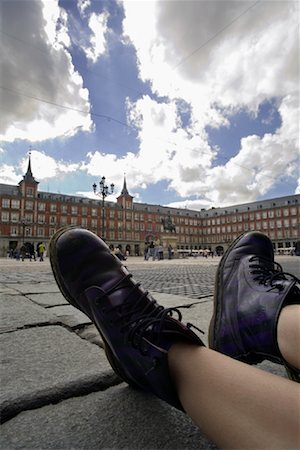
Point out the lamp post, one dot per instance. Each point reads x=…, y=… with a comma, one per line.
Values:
x=24, y=226
x=103, y=193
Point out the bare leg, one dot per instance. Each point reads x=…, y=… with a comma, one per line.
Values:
x=236, y=405
x=289, y=334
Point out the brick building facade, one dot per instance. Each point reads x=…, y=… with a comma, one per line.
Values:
x=28, y=215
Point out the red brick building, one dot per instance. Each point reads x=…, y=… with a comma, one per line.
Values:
x=28, y=215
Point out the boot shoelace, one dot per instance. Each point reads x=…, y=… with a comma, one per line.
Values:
x=141, y=315
x=269, y=272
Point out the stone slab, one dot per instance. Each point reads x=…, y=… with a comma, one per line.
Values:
x=17, y=311
x=70, y=316
x=44, y=365
x=91, y=334
x=48, y=299
x=34, y=288
x=118, y=418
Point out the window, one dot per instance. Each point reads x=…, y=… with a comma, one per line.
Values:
x=53, y=208
x=40, y=231
x=94, y=223
x=271, y=214
x=111, y=214
x=15, y=217
x=52, y=231
x=265, y=225
x=74, y=210
x=257, y=215
x=28, y=218
x=278, y=213
x=74, y=221
x=5, y=203
x=41, y=206
x=15, y=204
x=52, y=220
x=84, y=211
x=28, y=204
x=64, y=209
x=5, y=216
x=94, y=212
x=264, y=215
x=84, y=222
x=14, y=231
x=63, y=220
x=278, y=223
x=286, y=212
x=286, y=223
x=29, y=192
x=128, y=216
x=41, y=218
x=293, y=211
x=142, y=217
x=128, y=204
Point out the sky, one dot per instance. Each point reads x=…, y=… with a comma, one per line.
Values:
x=197, y=102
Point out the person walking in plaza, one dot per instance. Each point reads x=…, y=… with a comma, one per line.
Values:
x=256, y=317
x=41, y=251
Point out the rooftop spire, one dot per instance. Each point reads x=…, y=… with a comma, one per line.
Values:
x=28, y=175
x=124, y=190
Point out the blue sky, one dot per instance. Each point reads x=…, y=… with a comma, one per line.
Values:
x=197, y=102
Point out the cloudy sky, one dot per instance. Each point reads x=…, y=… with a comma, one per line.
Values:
x=196, y=101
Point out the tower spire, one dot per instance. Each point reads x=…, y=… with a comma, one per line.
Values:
x=28, y=175
x=124, y=190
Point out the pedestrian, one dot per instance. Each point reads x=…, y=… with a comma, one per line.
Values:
x=41, y=251
x=170, y=251
x=23, y=252
x=119, y=253
x=31, y=252
x=256, y=317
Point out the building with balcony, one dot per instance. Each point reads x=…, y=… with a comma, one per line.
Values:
x=30, y=215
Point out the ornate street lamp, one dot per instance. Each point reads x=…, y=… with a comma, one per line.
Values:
x=103, y=193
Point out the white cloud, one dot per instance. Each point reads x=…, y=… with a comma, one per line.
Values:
x=185, y=56
x=37, y=71
x=45, y=167
x=83, y=5
x=8, y=175
x=98, y=26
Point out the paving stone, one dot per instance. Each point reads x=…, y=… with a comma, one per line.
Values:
x=19, y=312
x=47, y=364
x=48, y=299
x=34, y=288
x=70, y=316
x=118, y=418
x=90, y=333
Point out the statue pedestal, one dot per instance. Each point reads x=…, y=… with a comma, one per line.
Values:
x=169, y=239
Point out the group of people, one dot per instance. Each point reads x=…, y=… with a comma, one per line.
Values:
x=27, y=250
x=118, y=251
x=155, y=251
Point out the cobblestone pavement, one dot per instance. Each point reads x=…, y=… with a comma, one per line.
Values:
x=190, y=277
